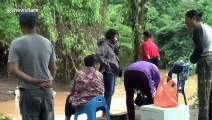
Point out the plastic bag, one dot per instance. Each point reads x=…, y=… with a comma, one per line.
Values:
x=166, y=95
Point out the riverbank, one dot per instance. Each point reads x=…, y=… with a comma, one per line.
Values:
x=8, y=86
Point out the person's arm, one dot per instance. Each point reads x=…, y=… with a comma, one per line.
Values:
x=96, y=85
x=155, y=79
x=52, y=63
x=117, y=49
x=101, y=51
x=72, y=88
x=197, y=38
x=158, y=54
x=101, y=84
x=13, y=69
x=145, y=51
x=148, y=57
x=52, y=69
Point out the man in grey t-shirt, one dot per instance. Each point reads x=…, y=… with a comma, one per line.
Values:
x=32, y=60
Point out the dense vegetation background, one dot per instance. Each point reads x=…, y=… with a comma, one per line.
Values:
x=74, y=26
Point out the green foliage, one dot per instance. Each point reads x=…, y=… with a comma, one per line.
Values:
x=9, y=30
x=71, y=25
x=205, y=7
x=2, y=117
x=119, y=81
x=169, y=31
x=115, y=19
x=46, y=17
x=166, y=22
x=177, y=39
x=74, y=25
x=194, y=98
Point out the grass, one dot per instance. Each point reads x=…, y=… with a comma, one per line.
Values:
x=119, y=81
x=2, y=117
x=194, y=97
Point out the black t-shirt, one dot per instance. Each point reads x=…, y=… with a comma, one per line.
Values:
x=197, y=38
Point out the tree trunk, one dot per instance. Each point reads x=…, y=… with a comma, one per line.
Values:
x=104, y=11
x=139, y=18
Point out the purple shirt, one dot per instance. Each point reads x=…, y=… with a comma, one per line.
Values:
x=150, y=70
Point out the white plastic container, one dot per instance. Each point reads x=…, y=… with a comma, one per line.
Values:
x=152, y=112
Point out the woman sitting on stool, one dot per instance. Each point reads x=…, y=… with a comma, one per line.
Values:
x=87, y=84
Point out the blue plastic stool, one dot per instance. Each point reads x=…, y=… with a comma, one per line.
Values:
x=91, y=108
x=182, y=70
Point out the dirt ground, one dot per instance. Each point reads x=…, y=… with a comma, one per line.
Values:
x=8, y=86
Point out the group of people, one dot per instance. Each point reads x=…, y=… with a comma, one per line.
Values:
x=136, y=76
x=32, y=60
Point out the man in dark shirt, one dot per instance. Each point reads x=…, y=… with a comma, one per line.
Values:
x=107, y=54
